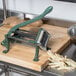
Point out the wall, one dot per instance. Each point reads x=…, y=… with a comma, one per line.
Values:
x=62, y=10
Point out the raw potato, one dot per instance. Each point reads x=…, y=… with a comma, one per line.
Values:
x=60, y=63
x=13, y=21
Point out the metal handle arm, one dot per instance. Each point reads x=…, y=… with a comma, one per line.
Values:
x=6, y=41
x=47, y=10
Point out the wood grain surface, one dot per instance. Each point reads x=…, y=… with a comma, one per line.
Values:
x=22, y=55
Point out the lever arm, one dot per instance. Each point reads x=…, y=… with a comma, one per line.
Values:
x=47, y=10
x=6, y=42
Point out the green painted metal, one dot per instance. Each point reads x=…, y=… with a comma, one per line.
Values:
x=1, y=25
x=36, y=57
x=47, y=10
x=6, y=41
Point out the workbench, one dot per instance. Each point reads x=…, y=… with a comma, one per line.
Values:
x=8, y=68
x=22, y=55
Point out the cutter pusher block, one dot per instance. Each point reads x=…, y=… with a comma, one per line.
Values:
x=38, y=39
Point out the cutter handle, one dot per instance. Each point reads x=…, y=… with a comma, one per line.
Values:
x=48, y=10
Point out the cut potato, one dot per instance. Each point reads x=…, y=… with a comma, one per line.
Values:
x=60, y=63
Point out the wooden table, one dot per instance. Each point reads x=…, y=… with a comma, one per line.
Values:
x=22, y=55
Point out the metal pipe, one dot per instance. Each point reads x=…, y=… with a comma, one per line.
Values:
x=7, y=73
x=4, y=8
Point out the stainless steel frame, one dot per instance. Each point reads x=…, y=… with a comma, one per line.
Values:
x=4, y=8
x=7, y=68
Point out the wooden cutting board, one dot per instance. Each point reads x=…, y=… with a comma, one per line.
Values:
x=22, y=55
x=59, y=38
